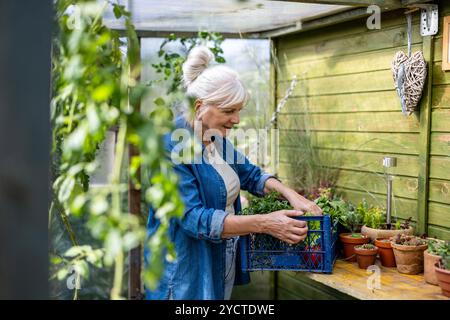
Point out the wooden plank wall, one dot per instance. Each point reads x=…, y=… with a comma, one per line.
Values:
x=346, y=97
x=439, y=189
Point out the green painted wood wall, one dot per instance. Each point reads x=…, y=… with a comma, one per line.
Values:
x=346, y=85
x=346, y=98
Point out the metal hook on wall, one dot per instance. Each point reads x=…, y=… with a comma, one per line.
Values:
x=429, y=18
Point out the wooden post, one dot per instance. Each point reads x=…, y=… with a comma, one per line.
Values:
x=273, y=105
x=134, y=203
x=274, y=140
x=424, y=140
x=25, y=47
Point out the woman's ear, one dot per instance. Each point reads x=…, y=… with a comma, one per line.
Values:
x=198, y=105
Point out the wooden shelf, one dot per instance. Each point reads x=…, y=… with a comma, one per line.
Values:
x=348, y=279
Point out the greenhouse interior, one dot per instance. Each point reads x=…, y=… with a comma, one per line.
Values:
x=225, y=150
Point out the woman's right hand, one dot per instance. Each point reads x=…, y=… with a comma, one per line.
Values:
x=279, y=224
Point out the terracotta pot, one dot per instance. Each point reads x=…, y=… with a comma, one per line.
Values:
x=443, y=277
x=429, y=261
x=409, y=259
x=386, y=253
x=365, y=257
x=349, y=243
x=385, y=234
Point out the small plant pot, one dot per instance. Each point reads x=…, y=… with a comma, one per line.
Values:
x=382, y=233
x=349, y=242
x=429, y=262
x=365, y=257
x=386, y=253
x=409, y=259
x=443, y=277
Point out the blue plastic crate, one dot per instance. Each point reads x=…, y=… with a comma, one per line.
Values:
x=317, y=253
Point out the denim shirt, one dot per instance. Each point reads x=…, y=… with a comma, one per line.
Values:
x=198, y=271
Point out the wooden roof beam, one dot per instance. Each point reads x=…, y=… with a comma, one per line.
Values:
x=316, y=23
x=354, y=13
x=384, y=4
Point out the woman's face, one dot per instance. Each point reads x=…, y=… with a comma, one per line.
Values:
x=221, y=119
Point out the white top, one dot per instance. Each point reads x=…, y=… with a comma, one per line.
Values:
x=228, y=175
x=233, y=187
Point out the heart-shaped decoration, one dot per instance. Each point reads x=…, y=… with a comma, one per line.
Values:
x=409, y=79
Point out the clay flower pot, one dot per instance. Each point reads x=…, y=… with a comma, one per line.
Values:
x=429, y=262
x=386, y=253
x=443, y=277
x=409, y=259
x=382, y=233
x=349, y=243
x=365, y=256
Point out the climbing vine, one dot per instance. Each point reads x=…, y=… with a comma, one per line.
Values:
x=95, y=89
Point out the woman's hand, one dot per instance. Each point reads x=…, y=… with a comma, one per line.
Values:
x=297, y=201
x=300, y=203
x=279, y=224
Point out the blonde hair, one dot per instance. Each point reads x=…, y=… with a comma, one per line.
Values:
x=216, y=85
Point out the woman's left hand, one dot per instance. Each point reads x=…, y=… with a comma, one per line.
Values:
x=296, y=200
x=300, y=203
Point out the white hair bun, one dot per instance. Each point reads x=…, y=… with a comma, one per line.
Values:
x=197, y=61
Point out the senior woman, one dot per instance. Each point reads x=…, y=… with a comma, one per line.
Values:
x=206, y=239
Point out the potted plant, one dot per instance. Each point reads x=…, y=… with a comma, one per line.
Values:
x=386, y=253
x=442, y=269
x=330, y=204
x=408, y=251
x=352, y=220
x=366, y=255
x=375, y=225
x=431, y=256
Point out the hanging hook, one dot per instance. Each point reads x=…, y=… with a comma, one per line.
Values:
x=409, y=30
x=412, y=10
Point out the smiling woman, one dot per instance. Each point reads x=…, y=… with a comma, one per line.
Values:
x=207, y=238
x=217, y=86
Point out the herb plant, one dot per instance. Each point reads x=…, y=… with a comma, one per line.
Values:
x=367, y=246
x=408, y=240
x=269, y=203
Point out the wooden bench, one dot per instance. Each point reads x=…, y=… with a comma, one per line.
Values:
x=350, y=282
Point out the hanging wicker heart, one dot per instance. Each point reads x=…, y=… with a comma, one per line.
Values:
x=409, y=79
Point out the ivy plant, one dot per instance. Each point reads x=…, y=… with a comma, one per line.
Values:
x=95, y=88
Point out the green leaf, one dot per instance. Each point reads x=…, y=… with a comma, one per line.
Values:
x=159, y=102
x=155, y=195
x=117, y=11
x=56, y=260
x=113, y=245
x=62, y=274
x=75, y=140
x=81, y=268
x=73, y=251
x=93, y=119
x=98, y=205
x=103, y=92
x=66, y=189
x=77, y=204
